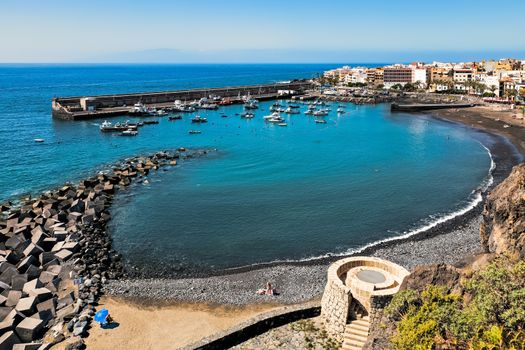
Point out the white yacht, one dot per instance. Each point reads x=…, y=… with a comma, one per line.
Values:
x=320, y=113
x=274, y=115
x=139, y=109
x=291, y=110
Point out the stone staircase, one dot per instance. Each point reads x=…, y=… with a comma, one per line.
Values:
x=356, y=332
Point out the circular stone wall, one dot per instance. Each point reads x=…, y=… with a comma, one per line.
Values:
x=362, y=279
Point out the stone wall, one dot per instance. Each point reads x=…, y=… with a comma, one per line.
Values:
x=257, y=326
x=335, y=307
x=343, y=288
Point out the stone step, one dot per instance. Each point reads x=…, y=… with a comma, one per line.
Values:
x=360, y=332
x=352, y=344
x=351, y=347
x=360, y=327
x=355, y=337
x=361, y=323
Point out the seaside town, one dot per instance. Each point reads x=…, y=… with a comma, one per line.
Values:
x=498, y=81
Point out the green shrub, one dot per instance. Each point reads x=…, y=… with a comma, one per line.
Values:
x=491, y=317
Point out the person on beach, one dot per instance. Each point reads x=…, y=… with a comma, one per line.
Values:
x=268, y=291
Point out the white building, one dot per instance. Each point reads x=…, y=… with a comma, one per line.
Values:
x=462, y=75
x=420, y=76
x=492, y=83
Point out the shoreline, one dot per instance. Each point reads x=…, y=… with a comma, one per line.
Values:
x=453, y=241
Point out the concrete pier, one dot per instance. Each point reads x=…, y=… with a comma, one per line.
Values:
x=102, y=106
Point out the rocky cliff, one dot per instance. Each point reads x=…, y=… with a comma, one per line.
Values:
x=503, y=227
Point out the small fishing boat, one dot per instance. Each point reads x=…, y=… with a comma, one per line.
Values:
x=175, y=117
x=109, y=127
x=39, y=140
x=274, y=115
x=224, y=116
x=139, y=109
x=320, y=121
x=129, y=132
x=291, y=110
x=275, y=120
x=320, y=113
x=282, y=124
x=149, y=122
x=160, y=113
x=251, y=104
x=193, y=132
x=310, y=110
x=247, y=115
x=178, y=106
x=208, y=106
x=340, y=110
x=198, y=119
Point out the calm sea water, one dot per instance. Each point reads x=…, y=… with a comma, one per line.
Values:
x=268, y=193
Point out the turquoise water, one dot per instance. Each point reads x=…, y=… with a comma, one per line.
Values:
x=268, y=193
x=275, y=193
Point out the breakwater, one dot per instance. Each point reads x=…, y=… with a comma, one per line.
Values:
x=56, y=255
x=90, y=107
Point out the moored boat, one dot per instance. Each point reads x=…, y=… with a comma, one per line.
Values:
x=129, y=132
x=198, y=119
x=139, y=109
x=291, y=110
x=109, y=127
x=320, y=113
x=247, y=115
x=272, y=116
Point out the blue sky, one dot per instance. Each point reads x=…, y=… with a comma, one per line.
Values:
x=258, y=31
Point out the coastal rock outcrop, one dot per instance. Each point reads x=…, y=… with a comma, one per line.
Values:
x=437, y=274
x=503, y=227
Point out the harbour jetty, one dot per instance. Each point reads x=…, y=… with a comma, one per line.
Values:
x=103, y=106
x=428, y=106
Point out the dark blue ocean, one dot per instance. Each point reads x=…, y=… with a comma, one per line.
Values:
x=268, y=193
